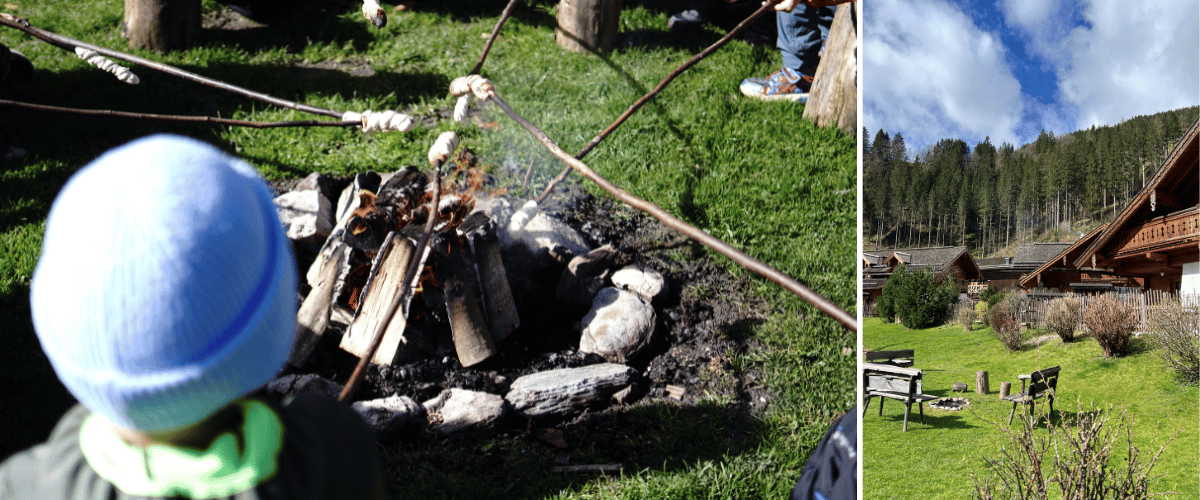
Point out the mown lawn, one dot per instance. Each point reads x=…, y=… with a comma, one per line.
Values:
x=935, y=460
x=751, y=173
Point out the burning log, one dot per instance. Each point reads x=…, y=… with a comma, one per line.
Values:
x=498, y=301
x=472, y=339
x=386, y=280
x=313, y=317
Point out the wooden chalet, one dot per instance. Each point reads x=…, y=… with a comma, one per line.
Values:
x=1155, y=241
x=1005, y=272
x=1059, y=275
x=878, y=265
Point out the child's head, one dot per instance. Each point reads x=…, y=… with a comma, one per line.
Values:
x=166, y=286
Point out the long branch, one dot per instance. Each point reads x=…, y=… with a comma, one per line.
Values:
x=755, y=265
x=653, y=93
x=492, y=39
x=68, y=43
x=178, y=118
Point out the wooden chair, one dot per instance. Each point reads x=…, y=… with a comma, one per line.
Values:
x=1041, y=383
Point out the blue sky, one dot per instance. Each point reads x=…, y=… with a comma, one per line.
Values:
x=1007, y=69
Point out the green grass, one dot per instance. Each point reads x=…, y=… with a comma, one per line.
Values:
x=935, y=460
x=754, y=174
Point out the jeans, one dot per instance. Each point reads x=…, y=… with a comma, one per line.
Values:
x=800, y=34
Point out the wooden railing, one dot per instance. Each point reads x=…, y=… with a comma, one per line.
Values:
x=1163, y=231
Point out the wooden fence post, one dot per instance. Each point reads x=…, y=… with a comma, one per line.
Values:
x=833, y=99
x=587, y=25
x=162, y=25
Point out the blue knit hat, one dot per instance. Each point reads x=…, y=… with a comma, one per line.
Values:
x=166, y=286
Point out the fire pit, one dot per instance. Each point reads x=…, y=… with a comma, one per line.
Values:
x=951, y=404
x=520, y=319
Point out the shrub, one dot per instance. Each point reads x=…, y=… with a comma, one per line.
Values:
x=1090, y=467
x=1063, y=315
x=885, y=307
x=1007, y=318
x=991, y=295
x=1175, y=331
x=919, y=298
x=965, y=314
x=1111, y=321
x=981, y=310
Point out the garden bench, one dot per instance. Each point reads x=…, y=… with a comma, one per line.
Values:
x=902, y=358
x=1041, y=383
x=889, y=381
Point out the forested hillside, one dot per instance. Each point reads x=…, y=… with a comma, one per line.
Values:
x=990, y=197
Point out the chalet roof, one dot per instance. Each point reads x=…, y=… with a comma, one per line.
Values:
x=991, y=261
x=1065, y=257
x=939, y=259
x=1038, y=253
x=1175, y=179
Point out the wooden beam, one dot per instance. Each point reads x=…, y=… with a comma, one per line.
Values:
x=1158, y=257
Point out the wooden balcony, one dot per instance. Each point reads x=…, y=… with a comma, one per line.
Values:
x=1164, y=233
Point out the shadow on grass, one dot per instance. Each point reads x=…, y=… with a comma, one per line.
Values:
x=516, y=464
x=70, y=141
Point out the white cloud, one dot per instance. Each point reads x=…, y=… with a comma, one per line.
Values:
x=930, y=73
x=1119, y=61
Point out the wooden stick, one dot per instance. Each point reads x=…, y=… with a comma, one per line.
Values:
x=495, y=33
x=646, y=98
x=528, y=175
x=178, y=118
x=588, y=468
x=755, y=265
x=68, y=43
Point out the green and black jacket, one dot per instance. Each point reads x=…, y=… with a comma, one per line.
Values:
x=307, y=448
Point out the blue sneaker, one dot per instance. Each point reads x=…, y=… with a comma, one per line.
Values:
x=784, y=85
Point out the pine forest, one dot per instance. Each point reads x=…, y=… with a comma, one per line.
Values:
x=991, y=198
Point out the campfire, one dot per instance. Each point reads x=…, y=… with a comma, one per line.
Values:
x=952, y=404
x=592, y=317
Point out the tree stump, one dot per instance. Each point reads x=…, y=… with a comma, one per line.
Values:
x=981, y=382
x=833, y=98
x=162, y=25
x=587, y=25
x=1005, y=389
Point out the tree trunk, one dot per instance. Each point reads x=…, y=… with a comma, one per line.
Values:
x=981, y=382
x=833, y=99
x=162, y=25
x=587, y=25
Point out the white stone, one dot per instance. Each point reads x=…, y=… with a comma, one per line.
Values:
x=619, y=326
x=307, y=216
x=389, y=414
x=542, y=233
x=642, y=280
x=456, y=410
x=568, y=391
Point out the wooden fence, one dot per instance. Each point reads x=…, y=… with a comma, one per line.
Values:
x=1145, y=303
x=1035, y=314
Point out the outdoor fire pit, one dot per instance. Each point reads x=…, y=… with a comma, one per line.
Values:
x=951, y=404
x=580, y=311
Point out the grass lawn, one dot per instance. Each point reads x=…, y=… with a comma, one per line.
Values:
x=754, y=174
x=935, y=460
